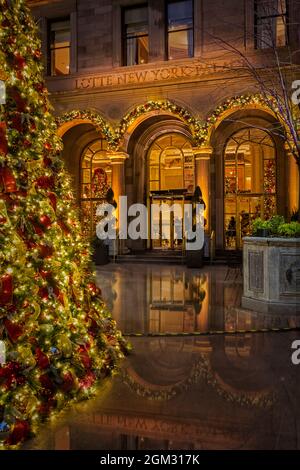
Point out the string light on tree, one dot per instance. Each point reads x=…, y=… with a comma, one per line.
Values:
x=55, y=331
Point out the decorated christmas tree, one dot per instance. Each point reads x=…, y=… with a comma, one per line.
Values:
x=57, y=340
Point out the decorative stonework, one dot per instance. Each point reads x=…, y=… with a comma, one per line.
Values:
x=271, y=275
x=256, y=270
x=290, y=275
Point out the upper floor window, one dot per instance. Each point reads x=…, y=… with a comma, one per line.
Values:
x=180, y=39
x=270, y=23
x=59, y=47
x=136, y=38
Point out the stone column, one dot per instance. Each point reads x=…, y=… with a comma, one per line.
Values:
x=117, y=160
x=292, y=181
x=202, y=178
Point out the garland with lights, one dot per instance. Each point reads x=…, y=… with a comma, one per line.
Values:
x=152, y=105
x=200, y=131
x=200, y=371
x=92, y=116
x=57, y=337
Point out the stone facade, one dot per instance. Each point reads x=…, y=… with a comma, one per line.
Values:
x=198, y=85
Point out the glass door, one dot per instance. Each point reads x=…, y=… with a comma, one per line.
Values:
x=167, y=223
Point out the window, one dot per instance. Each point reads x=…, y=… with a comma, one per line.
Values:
x=249, y=183
x=171, y=164
x=270, y=23
x=180, y=39
x=95, y=182
x=136, y=40
x=59, y=45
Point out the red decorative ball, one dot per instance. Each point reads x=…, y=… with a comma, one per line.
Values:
x=37, y=53
x=45, y=221
x=14, y=331
x=53, y=200
x=19, y=61
x=20, y=432
x=3, y=139
x=47, y=146
x=27, y=144
x=46, y=251
x=68, y=383
x=45, y=182
x=6, y=289
x=42, y=359
x=47, y=162
x=17, y=122
x=7, y=181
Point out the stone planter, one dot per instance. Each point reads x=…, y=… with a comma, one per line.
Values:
x=271, y=269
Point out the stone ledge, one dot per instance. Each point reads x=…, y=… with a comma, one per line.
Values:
x=263, y=306
x=272, y=241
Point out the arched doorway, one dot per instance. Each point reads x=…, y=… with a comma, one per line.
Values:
x=95, y=180
x=171, y=182
x=249, y=182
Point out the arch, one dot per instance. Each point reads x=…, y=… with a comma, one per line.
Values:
x=245, y=117
x=134, y=118
x=76, y=117
x=228, y=108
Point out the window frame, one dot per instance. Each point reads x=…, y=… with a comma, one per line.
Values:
x=123, y=32
x=50, y=21
x=167, y=2
x=256, y=24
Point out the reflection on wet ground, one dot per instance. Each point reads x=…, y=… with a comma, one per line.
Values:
x=174, y=299
x=215, y=392
x=196, y=392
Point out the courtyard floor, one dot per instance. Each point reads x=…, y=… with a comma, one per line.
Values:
x=194, y=380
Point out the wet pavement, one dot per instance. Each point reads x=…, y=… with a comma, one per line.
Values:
x=208, y=391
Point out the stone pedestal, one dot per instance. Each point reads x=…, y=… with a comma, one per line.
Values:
x=271, y=269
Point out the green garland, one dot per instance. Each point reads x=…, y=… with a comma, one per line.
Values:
x=200, y=371
x=92, y=116
x=200, y=131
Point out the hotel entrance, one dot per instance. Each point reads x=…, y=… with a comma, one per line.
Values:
x=171, y=183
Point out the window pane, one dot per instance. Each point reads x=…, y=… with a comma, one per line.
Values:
x=137, y=51
x=60, y=34
x=270, y=7
x=134, y=16
x=60, y=61
x=271, y=23
x=136, y=35
x=180, y=14
x=180, y=44
x=60, y=39
x=281, y=39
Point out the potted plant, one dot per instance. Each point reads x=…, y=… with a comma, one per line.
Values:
x=261, y=228
x=291, y=229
